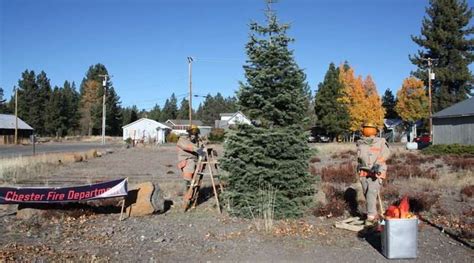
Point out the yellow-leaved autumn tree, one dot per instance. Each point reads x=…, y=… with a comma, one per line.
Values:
x=412, y=102
x=88, y=100
x=361, y=97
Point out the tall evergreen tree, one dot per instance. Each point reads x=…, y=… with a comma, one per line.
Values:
x=71, y=99
x=389, y=102
x=113, y=113
x=332, y=116
x=170, y=109
x=44, y=93
x=56, y=122
x=183, y=112
x=3, y=104
x=92, y=91
x=155, y=113
x=267, y=165
x=445, y=38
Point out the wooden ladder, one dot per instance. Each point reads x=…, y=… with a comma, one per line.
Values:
x=206, y=165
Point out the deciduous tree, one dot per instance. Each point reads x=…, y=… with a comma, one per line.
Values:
x=412, y=102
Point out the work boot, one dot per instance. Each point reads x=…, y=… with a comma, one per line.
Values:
x=371, y=220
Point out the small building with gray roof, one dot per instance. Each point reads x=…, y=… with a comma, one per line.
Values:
x=7, y=129
x=455, y=124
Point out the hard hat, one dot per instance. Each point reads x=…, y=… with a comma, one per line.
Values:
x=193, y=129
x=369, y=124
x=369, y=129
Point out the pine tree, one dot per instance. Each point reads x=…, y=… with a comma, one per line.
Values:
x=113, y=113
x=445, y=38
x=267, y=165
x=56, y=118
x=183, y=112
x=71, y=99
x=389, y=102
x=155, y=113
x=3, y=104
x=331, y=115
x=92, y=92
x=170, y=109
x=44, y=93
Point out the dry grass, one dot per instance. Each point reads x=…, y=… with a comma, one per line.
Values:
x=331, y=148
x=16, y=170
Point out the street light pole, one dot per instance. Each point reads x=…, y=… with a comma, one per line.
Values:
x=190, y=63
x=104, y=85
x=430, y=77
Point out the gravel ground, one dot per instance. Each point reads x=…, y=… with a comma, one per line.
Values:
x=199, y=235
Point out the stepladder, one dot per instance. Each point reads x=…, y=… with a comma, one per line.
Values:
x=207, y=165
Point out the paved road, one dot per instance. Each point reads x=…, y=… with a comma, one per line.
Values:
x=27, y=150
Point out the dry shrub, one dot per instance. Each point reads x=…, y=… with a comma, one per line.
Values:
x=394, y=159
x=413, y=159
x=420, y=202
x=334, y=208
x=458, y=163
x=399, y=171
x=468, y=191
x=336, y=205
x=315, y=160
x=342, y=173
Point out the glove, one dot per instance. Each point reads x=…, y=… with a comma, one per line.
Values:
x=201, y=152
x=376, y=169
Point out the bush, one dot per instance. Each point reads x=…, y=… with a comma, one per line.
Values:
x=217, y=135
x=172, y=138
x=399, y=171
x=277, y=159
x=458, y=163
x=443, y=149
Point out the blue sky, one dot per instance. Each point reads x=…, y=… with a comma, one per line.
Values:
x=144, y=43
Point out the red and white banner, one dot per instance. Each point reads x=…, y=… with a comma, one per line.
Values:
x=36, y=195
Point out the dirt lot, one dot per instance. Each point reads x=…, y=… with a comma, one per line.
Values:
x=201, y=234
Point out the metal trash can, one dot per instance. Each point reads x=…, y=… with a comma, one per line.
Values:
x=400, y=238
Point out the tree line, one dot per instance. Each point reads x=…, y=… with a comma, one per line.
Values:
x=343, y=101
x=66, y=111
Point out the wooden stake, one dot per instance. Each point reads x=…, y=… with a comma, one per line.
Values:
x=121, y=211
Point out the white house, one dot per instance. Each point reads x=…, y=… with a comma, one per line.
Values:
x=228, y=119
x=145, y=130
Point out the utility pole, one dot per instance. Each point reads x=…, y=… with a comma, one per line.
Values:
x=431, y=76
x=104, y=85
x=16, y=115
x=190, y=67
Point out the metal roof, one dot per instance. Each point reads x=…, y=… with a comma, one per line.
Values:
x=158, y=124
x=184, y=122
x=7, y=121
x=463, y=108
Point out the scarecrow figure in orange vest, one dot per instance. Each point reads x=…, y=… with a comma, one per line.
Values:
x=372, y=153
x=189, y=148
